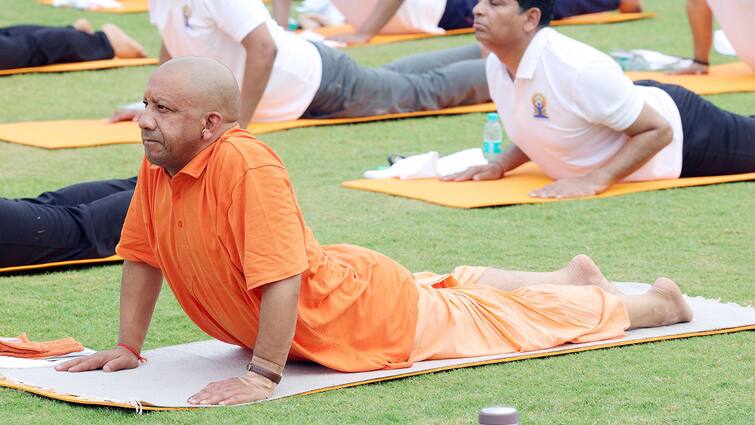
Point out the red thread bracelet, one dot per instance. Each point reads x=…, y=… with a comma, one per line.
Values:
x=133, y=351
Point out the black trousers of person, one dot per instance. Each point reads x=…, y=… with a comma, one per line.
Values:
x=458, y=13
x=566, y=8
x=74, y=223
x=716, y=142
x=33, y=45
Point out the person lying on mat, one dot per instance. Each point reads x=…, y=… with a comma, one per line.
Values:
x=77, y=222
x=570, y=109
x=373, y=17
x=285, y=77
x=24, y=46
x=215, y=214
x=736, y=18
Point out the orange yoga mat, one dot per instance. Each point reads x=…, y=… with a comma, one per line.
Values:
x=728, y=78
x=85, y=133
x=129, y=6
x=82, y=66
x=513, y=189
x=34, y=267
x=592, y=18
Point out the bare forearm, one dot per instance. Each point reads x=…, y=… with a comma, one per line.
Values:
x=281, y=12
x=164, y=54
x=383, y=12
x=701, y=23
x=638, y=150
x=278, y=312
x=512, y=158
x=260, y=57
x=140, y=287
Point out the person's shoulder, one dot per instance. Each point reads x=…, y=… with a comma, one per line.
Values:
x=568, y=52
x=241, y=149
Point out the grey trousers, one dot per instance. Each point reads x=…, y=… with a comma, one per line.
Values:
x=423, y=82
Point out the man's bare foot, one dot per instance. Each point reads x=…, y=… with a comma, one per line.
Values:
x=630, y=6
x=83, y=25
x=123, y=45
x=582, y=270
x=673, y=308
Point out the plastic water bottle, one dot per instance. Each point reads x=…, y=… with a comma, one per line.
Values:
x=492, y=137
x=499, y=415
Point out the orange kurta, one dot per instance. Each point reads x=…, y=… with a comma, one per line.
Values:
x=229, y=222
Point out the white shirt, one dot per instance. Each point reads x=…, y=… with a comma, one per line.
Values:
x=413, y=16
x=215, y=28
x=737, y=19
x=569, y=104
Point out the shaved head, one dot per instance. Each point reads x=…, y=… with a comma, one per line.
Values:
x=205, y=83
x=189, y=103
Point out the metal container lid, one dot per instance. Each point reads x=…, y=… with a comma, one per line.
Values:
x=499, y=415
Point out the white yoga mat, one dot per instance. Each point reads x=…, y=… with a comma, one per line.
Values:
x=172, y=374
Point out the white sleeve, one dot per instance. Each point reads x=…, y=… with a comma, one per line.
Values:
x=238, y=18
x=605, y=96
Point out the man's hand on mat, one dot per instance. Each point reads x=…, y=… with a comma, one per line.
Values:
x=109, y=361
x=694, y=69
x=351, y=39
x=569, y=188
x=245, y=389
x=491, y=171
x=124, y=115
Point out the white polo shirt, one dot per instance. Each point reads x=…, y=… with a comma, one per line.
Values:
x=215, y=28
x=412, y=17
x=569, y=104
x=737, y=19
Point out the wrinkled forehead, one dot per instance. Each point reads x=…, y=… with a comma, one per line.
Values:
x=169, y=84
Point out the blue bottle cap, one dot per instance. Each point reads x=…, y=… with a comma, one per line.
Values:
x=492, y=116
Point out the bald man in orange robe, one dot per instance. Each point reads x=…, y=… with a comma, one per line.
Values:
x=215, y=214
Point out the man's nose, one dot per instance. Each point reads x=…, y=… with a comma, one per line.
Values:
x=477, y=9
x=146, y=121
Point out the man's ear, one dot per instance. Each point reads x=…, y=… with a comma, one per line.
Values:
x=532, y=22
x=212, y=123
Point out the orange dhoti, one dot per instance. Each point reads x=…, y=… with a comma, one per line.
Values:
x=459, y=318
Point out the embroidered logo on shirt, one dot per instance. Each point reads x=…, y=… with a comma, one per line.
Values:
x=187, y=14
x=539, y=103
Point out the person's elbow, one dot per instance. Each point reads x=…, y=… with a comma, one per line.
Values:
x=265, y=51
x=665, y=135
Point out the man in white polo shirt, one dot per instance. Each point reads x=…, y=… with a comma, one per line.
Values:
x=284, y=77
x=737, y=19
x=570, y=109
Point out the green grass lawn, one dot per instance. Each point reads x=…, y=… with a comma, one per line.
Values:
x=701, y=237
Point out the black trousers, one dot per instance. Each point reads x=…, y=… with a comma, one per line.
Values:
x=74, y=223
x=32, y=45
x=458, y=14
x=566, y=8
x=716, y=142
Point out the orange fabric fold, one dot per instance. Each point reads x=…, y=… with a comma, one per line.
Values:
x=460, y=318
x=588, y=19
x=28, y=349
